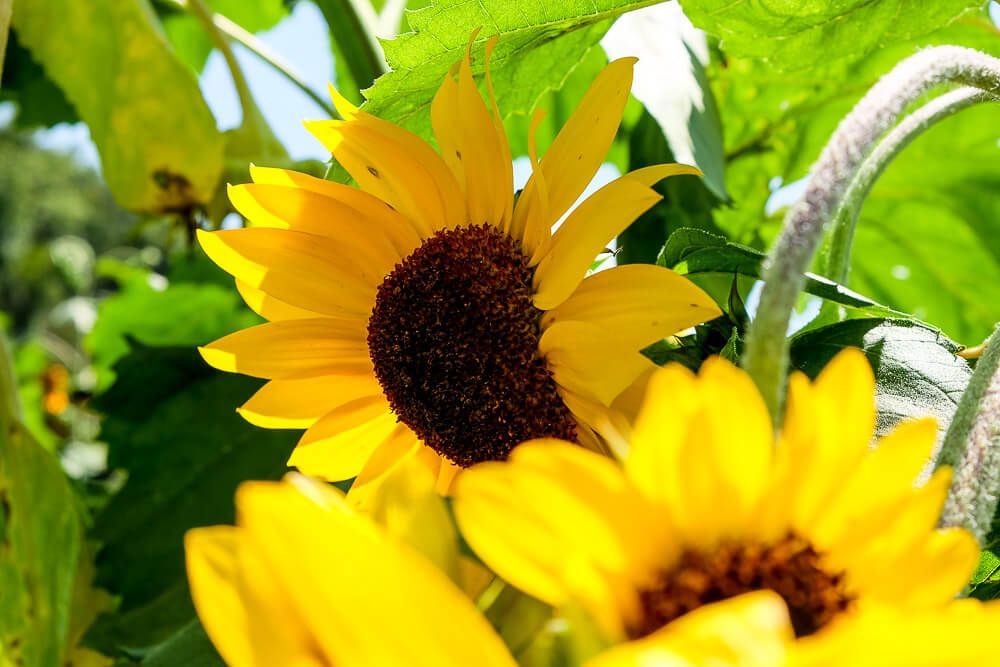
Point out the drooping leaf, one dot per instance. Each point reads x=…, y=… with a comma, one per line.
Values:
x=170, y=422
x=540, y=45
x=40, y=103
x=916, y=371
x=801, y=33
x=116, y=68
x=40, y=538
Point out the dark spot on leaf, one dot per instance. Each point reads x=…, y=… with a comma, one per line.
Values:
x=4, y=517
x=373, y=171
x=458, y=154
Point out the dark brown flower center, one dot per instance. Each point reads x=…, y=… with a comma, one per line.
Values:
x=791, y=568
x=454, y=340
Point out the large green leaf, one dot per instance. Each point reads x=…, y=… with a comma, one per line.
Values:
x=170, y=423
x=540, y=45
x=917, y=373
x=798, y=33
x=931, y=219
x=40, y=103
x=39, y=547
x=117, y=69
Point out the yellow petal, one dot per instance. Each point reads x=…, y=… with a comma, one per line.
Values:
x=397, y=167
x=577, y=152
x=468, y=139
x=293, y=349
x=638, y=304
x=751, y=630
x=586, y=231
x=363, y=245
x=699, y=439
x=301, y=403
x=827, y=430
x=401, y=445
x=562, y=524
x=270, y=308
x=380, y=218
x=303, y=270
x=213, y=572
x=335, y=455
x=588, y=361
x=350, y=583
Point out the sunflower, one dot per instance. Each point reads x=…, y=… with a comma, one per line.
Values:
x=429, y=313
x=303, y=580
x=705, y=507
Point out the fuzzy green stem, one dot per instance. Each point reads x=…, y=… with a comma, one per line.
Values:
x=972, y=447
x=836, y=260
x=766, y=356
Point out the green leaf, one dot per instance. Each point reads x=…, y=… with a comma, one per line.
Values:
x=115, y=66
x=192, y=44
x=40, y=103
x=40, y=540
x=5, y=8
x=189, y=310
x=933, y=216
x=189, y=646
x=170, y=422
x=696, y=252
x=916, y=371
x=799, y=33
x=540, y=45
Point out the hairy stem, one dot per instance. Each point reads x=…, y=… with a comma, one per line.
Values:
x=766, y=356
x=835, y=263
x=972, y=447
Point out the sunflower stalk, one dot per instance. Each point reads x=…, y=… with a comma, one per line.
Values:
x=972, y=447
x=766, y=356
x=835, y=262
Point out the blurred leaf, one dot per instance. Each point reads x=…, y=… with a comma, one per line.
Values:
x=171, y=424
x=39, y=548
x=5, y=8
x=799, y=33
x=916, y=371
x=694, y=252
x=670, y=81
x=117, y=69
x=189, y=646
x=192, y=44
x=40, y=103
x=185, y=311
x=540, y=45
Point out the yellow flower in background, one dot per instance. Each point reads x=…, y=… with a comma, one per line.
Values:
x=428, y=313
x=708, y=507
x=302, y=580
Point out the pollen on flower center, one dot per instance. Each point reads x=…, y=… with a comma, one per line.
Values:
x=454, y=339
x=791, y=568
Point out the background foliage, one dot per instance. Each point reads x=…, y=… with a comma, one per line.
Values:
x=123, y=439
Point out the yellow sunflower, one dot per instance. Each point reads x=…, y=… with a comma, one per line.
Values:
x=707, y=506
x=428, y=312
x=304, y=581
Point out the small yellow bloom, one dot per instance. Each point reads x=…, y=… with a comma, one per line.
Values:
x=708, y=507
x=427, y=313
x=304, y=581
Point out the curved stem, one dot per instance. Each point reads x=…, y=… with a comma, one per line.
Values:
x=972, y=447
x=766, y=356
x=205, y=16
x=836, y=259
x=257, y=47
